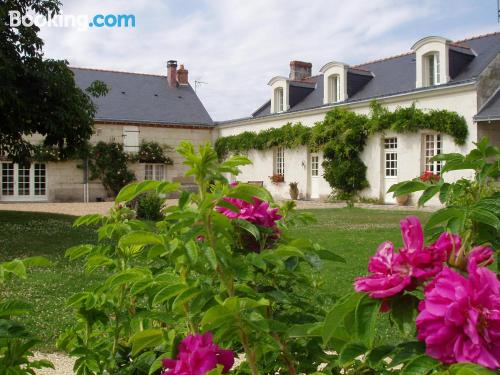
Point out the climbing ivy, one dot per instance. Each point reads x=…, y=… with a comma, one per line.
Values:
x=342, y=136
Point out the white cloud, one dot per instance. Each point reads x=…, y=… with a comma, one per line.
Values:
x=237, y=45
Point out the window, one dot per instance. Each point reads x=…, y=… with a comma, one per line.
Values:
x=40, y=179
x=432, y=68
x=7, y=179
x=154, y=172
x=391, y=157
x=314, y=165
x=278, y=100
x=432, y=146
x=333, y=88
x=131, y=138
x=279, y=161
x=23, y=181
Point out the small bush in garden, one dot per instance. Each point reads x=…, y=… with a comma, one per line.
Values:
x=149, y=207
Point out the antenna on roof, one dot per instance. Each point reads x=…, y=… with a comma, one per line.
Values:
x=199, y=83
x=498, y=10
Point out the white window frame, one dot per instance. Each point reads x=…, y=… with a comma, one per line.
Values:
x=315, y=165
x=37, y=184
x=278, y=99
x=391, y=157
x=432, y=69
x=155, y=171
x=333, y=88
x=279, y=161
x=432, y=146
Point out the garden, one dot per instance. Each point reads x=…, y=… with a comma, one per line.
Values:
x=227, y=281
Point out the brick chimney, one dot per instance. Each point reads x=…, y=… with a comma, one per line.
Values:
x=182, y=76
x=300, y=70
x=172, y=73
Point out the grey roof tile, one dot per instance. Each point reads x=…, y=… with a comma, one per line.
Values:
x=144, y=98
x=395, y=75
x=491, y=110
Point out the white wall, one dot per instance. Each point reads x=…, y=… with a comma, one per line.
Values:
x=461, y=100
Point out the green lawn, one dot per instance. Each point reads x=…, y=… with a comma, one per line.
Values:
x=352, y=233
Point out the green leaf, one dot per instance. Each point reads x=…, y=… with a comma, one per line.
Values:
x=167, y=187
x=148, y=338
x=125, y=277
x=335, y=318
x=486, y=217
x=216, y=316
x=184, y=297
x=404, y=312
x=15, y=267
x=444, y=215
x=11, y=308
x=329, y=255
x=37, y=261
x=97, y=261
x=140, y=238
x=420, y=365
x=379, y=353
x=407, y=187
x=167, y=293
x=88, y=220
x=284, y=251
x=78, y=251
x=466, y=368
x=249, y=227
x=366, y=314
x=248, y=192
x=350, y=352
x=305, y=330
x=428, y=194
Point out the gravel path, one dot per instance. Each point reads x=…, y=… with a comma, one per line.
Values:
x=62, y=363
x=78, y=209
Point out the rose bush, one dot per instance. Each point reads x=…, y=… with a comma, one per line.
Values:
x=221, y=271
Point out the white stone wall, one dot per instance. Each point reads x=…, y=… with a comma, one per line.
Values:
x=410, y=163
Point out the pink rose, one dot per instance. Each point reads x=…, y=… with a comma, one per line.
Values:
x=414, y=264
x=198, y=355
x=459, y=319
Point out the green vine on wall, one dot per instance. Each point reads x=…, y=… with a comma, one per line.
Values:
x=342, y=136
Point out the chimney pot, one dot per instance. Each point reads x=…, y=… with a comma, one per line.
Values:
x=300, y=70
x=172, y=73
x=182, y=75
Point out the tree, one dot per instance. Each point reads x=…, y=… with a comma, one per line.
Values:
x=37, y=95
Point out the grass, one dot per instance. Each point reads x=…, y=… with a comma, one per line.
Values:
x=351, y=233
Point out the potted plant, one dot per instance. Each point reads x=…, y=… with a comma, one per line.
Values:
x=277, y=178
x=294, y=190
x=402, y=199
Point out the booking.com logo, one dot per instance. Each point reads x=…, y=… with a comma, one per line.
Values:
x=81, y=21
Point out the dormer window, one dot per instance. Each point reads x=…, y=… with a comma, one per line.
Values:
x=278, y=100
x=334, y=82
x=333, y=88
x=432, y=69
x=432, y=61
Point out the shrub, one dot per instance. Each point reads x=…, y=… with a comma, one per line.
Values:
x=149, y=207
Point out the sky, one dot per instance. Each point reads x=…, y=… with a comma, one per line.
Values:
x=237, y=46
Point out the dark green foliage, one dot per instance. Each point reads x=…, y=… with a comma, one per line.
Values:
x=346, y=175
x=342, y=136
x=37, y=95
x=153, y=152
x=108, y=163
x=149, y=207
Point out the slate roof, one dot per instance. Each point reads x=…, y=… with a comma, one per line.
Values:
x=491, y=110
x=396, y=75
x=144, y=98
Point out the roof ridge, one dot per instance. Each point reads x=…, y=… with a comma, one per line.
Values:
x=382, y=59
x=477, y=37
x=455, y=43
x=116, y=71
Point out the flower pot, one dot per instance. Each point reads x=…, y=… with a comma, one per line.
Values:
x=294, y=194
x=402, y=199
